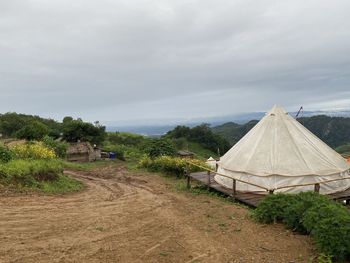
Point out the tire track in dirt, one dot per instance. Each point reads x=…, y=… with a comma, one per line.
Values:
x=125, y=216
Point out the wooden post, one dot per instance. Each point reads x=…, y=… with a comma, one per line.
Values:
x=347, y=201
x=187, y=175
x=271, y=192
x=188, y=181
x=234, y=188
x=208, y=174
x=317, y=188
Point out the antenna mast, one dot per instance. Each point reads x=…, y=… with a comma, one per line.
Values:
x=299, y=111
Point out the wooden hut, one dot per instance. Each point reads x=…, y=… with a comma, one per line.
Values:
x=186, y=154
x=83, y=152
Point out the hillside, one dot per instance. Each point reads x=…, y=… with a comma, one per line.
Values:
x=232, y=131
x=335, y=131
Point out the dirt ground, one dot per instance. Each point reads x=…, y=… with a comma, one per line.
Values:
x=126, y=216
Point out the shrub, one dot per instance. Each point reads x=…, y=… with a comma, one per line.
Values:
x=36, y=150
x=170, y=165
x=272, y=209
x=60, y=148
x=159, y=147
x=5, y=154
x=30, y=173
x=295, y=211
x=327, y=222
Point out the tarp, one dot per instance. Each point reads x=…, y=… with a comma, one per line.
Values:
x=279, y=151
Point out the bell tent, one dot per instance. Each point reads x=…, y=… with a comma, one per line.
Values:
x=280, y=154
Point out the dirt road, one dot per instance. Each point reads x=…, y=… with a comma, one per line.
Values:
x=125, y=216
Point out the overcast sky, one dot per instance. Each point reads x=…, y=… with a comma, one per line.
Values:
x=135, y=60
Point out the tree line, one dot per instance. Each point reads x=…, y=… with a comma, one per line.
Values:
x=30, y=127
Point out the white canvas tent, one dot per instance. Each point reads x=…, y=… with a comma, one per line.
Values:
x=279, y=151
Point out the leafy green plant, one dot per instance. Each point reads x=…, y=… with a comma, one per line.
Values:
x=273, y=208
x=6, y=154
x=327, y=222
x=159, y=147
x=295, y=211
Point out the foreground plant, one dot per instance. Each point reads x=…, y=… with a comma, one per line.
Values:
x=326, y=221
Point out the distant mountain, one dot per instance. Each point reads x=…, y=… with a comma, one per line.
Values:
x=143, y=130
x=158, y=128
x=335, y=131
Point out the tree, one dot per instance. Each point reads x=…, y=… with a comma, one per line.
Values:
x=159, y=147
x=33, y=131
x=77, y=130
x=67, y=119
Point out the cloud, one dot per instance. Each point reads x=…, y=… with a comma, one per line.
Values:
x=140, y=60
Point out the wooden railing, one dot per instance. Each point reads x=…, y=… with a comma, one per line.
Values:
x=317, y=185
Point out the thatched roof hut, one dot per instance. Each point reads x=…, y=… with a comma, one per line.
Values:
x=185, y=154
x=82, y=152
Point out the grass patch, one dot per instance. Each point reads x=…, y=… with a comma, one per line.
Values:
x=38, y=175
x=64, y=184
x=86, y=166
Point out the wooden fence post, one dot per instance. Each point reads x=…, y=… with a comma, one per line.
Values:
x=234, y=189
x=208, y=174
x=187, y=174
x=317, y=188
x=271, y=192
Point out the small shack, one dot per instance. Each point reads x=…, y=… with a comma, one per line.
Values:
x=186, y=154
x=83, y=152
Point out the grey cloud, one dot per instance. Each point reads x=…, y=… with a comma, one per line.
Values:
x=133, y=60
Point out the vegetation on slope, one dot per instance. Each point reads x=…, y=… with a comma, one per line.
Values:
x=42, y=175
x=29, y=127
x=202, y=135
x=334, y=131
x=34, y=166
x=233, y=132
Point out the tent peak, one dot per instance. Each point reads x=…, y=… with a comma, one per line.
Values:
x=277, y=110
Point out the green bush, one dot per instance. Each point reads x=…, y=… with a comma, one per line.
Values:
x=328, y=222
x=30, y=172
x=5, y=154
x=170, y=165
x=295, y=211
x=159, y=147
x=273, y=208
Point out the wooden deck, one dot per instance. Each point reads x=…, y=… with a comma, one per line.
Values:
x=251, y=198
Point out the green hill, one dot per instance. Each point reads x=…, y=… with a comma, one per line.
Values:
x=232, y=131
x=335, y=131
